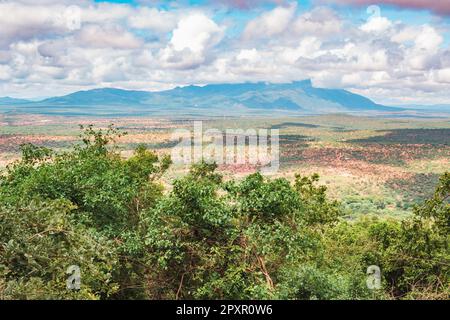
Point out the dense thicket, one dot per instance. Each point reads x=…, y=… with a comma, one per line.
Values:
x=204, y=238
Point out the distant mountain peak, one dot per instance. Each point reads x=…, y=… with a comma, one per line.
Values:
x=9, y=100
x=306, y=83
x=294, y=97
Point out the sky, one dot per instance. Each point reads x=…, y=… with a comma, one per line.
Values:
x=395, y=52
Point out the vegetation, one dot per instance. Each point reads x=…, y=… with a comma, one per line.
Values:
x=204, y=237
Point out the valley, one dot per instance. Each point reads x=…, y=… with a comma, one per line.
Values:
x=374, y=166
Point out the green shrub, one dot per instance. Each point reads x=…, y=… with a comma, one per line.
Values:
x=258, y=238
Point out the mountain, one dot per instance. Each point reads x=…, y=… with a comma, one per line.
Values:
x=11, y=101
x=431, y=108
x=107, y=96
x=299, y=97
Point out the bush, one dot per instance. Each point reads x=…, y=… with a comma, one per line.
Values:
x=40, y=241
x=257, y=238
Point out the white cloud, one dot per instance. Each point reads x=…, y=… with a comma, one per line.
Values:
x=270, y=23
x=105, y=13
x=153, y=19
x=374, y=61
x=5, y=72
x=191, y=42
x=377, y=25
x=113, y=37
x=424, y=54
x=196, y=32
x=443, y=75
x=141, y=47
x=405, y=34
x=309, y=48
x=428, y=39
x=19, y=22
x=249, y=55
x=319, y=21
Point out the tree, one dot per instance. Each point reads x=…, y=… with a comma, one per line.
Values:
x=206, y=238
x=97, y=195
x=415, y=256
x=234, y=240
x=39, y=241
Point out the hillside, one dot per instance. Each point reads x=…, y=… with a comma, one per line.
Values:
x=12, y=101
x=299, y=97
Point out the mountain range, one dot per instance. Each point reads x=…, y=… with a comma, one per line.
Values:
x=299, y=97
x=11, y=101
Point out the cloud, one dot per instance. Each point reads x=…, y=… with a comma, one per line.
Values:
x=249, y=55
x=440, y=7
x=319, y=21
x=148, y=48
x=18, y=22
x=113, y=37
x=376, y=24
x=191, y=41
x=270, y=23
x=196, y=32
x=5, y=72
x=308, y=48
x=153, y=19
x=424, y=55
x=248, y=4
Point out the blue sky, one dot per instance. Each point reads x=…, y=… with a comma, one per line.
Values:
x=395, y=54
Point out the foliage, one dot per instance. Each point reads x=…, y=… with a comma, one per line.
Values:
x=96, y=198
x=415, y=255
x=40, y=241
x=203, y=238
